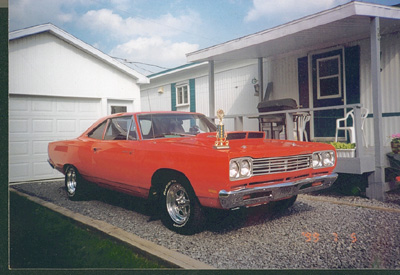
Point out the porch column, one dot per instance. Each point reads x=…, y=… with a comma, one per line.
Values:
x=211, y=91
x=261, y=78
x=376, y=181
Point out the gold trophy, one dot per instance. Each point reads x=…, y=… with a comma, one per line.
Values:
x=221, y=142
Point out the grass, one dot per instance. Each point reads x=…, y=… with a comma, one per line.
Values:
x=41, y=238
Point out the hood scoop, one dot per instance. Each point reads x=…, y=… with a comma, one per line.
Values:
x=245, y=135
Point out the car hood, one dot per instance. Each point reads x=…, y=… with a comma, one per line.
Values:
x=251, y=147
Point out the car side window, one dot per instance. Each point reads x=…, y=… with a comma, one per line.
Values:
x=97, y=133
x=120, y=128
x=145, y=125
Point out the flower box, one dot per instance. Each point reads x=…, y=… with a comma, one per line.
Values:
x=395, y=147
x=346, y=153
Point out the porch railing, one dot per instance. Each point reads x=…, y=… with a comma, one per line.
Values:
x=360, y=151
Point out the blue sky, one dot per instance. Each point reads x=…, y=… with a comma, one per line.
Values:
x=161, y=32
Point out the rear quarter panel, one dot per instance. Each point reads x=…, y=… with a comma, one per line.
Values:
x=72, y=152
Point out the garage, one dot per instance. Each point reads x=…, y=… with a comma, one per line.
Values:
x=59, y=86
x=34, y=122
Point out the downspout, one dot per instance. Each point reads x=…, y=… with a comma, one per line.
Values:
x=376, y=180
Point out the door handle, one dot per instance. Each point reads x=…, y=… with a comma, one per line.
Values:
x=95, y=149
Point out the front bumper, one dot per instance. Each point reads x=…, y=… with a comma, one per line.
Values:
x=259, y=195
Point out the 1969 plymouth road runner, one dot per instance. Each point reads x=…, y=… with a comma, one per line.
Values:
x=184, y=163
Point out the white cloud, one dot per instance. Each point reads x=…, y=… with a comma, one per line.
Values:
x=121, y=4
x=160, y=40
x=262, y=9
x=155, y=50
x=25, y=13
x=106, y=21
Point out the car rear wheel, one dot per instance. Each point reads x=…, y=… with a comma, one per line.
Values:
x=74, y=184
x=182, y=212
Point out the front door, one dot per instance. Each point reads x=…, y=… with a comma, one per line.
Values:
x=328, y=90
x=335, y=79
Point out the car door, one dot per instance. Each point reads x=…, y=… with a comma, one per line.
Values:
x=113, y=158
x=85, y=151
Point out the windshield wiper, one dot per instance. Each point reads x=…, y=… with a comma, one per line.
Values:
x=181, y=134
x=174, y=134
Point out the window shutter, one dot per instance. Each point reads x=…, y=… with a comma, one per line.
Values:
x=192, y=95
x=173, y=97
x=302, y=64
x=352, y=59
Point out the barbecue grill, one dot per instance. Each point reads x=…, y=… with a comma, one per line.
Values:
x=273, y=124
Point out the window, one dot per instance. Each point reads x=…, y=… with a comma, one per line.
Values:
x=97, y=133
x=182, y=95
x=118, y=109
x=329, y=80
x=120, y=128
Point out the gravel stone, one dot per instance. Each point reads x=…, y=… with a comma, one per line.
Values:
x=311, y=234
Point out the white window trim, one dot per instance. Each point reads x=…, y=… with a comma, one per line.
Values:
x=339, y=75
x=188, y=95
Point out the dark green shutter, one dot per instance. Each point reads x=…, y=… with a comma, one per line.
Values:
x=352, y=61
x=302, y=65
x=192, y=95
x=173, y=97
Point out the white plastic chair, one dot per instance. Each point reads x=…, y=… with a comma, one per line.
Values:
x=352, y=132
x=301, y=123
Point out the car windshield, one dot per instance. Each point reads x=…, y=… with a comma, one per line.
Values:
x=173, y=125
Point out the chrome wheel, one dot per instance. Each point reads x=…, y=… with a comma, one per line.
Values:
x=70, y=181
x=178, y=203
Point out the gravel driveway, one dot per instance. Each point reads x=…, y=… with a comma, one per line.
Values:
x=311, y=234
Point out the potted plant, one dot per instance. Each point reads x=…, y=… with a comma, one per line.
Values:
x=395, y=143
x=344, y=150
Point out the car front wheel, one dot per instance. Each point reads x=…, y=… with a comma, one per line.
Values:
x=182, y=212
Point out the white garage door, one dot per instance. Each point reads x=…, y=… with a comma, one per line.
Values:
x=34, y=122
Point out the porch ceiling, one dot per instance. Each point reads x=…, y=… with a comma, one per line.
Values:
x=333, y=27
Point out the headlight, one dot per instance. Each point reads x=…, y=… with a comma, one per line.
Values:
x=240, y=168
x=316, y=160
x=234, y=170
x=323, y=159
x=328, y=159
x=245, y=168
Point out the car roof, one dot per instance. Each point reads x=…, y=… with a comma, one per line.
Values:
x=148, y=113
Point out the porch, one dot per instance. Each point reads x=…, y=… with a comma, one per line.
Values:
x=315, y=41
x=364, y=160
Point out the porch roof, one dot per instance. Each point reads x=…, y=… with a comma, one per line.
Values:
x=342, y=24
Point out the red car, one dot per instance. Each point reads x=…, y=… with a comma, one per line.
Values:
x=181, y=161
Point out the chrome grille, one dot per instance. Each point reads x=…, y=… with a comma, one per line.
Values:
x=265, y=166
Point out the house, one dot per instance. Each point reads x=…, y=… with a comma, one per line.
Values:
x=331, y=62
x=59, y=86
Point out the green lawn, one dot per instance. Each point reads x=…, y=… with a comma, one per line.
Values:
x=41, y=238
